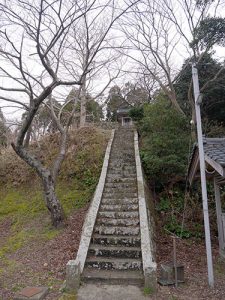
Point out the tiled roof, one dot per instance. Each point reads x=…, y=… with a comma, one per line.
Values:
x=123, y=110
x=215, y=149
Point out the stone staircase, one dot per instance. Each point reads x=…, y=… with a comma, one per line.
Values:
x=114, y=254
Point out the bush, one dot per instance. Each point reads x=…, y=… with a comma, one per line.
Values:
x=164, y=143
x=136, y=113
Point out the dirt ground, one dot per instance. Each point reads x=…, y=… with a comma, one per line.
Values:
x=192, y=255
x=44, y=264
x=41, y=263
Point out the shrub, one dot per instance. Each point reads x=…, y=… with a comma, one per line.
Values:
x=164, y=142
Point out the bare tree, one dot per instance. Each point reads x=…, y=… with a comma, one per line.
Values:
x=152, y=44
x=33, y=41
x=96, y=51
x=36, y=43
x=159, y=33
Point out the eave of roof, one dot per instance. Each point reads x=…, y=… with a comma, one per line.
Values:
x=214, y=149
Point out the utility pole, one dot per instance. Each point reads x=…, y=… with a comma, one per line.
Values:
x=198, y=98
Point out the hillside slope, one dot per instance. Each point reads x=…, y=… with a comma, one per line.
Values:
x=31, y=250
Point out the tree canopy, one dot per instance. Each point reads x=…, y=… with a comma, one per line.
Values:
x=211, y=85
x=210, y=31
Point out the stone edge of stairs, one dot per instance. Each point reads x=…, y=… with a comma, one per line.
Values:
x=147, y=247
x=75, y=267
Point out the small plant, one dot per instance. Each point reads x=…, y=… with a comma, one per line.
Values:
x=68, y=297
x=148, y=291
x=173, y=226
x=163, y=205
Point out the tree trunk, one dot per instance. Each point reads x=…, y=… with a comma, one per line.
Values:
x=52, y=202
x=173, y=99
x=83, y=111
x=27, y=138
x=60, y=157
x=83, y=103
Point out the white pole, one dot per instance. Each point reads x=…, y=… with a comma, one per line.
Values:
x=203, y=176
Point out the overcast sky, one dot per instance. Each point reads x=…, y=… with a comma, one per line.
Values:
x=100, y=80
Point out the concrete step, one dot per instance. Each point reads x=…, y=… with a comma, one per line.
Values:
x=119, y=201
x=119, y=145
x=105, y=263
x=121, y=190
x=119, y=195
x=114, y=251
x=127, y=241
x=116, y=230
x=118, y=222
x=124, y=167
x=119, y=184
x=121, y=156
x=115, y=162
x=121, y=172
x=119, y=152
x=118, y=214
x=115, y=179
x=113, y=277
x=119, y=207
x=119, y=140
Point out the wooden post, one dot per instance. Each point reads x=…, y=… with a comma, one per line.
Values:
x=175, y=260
x=219, y=215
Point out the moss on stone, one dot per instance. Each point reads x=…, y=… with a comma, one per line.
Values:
x=68, y=297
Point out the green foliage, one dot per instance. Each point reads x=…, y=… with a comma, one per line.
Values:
x=171, y=207
x=130, y=94
x=114, y=100
x=213, y=106
x=67, y=296
x=203, y=3
x=164, y=142
x=173, y=226
x=148, y=291
x=163, y=205
x=137, y=113
x=211, y=31
x=94, y=109
x=214, y=129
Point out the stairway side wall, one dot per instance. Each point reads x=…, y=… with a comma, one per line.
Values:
x=147, y=246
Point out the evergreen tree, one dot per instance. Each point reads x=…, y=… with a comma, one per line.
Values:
x=213, y=105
